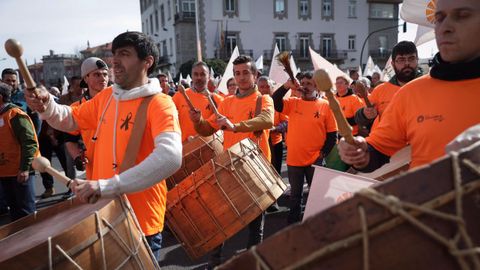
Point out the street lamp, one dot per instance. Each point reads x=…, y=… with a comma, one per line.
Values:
x=376, y=31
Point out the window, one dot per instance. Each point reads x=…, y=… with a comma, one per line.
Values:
x=303, y=7
x=351, y=42
x=327, y=8
x=231, y=40
x=281, y=41
x=146, y=26
x=230, y=6
x=382, y=11
x=304, y=44
x=382, y=45
x=164, y=48
x=169, y=9
x=151, y=23
x=352, y=8
x=188, y=8
x=156, y=20
x=326, y=46
x=162, y=15
x=171, y=46
x=279, y=6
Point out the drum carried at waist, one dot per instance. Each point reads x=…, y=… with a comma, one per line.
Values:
x=196, y=152
x=73, y=235
x=222, y=197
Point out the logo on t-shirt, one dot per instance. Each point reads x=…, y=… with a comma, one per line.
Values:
x=250, y=115
x=207, y=107
x=3, y=160
x=316, y=114
x=126, y=122
x=422, y=118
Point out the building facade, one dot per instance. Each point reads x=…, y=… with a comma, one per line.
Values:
x=336, y=29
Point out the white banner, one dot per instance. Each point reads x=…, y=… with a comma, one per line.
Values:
x=421, y=12
x=330, y=187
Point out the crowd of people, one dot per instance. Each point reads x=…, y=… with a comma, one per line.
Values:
x=92, y=126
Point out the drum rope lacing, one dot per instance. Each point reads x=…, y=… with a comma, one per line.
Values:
x=398, y=207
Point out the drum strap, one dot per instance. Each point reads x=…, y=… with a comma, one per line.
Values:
x=137, y=133
x=258, y=110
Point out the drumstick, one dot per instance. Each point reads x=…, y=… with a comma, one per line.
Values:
x=363, y=93
x=214, y=108
x=181, y=89
x=42, y=165
x=15, y=50
x=323, y=82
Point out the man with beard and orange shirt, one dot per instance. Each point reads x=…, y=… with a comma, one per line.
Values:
x=312, y=133
x=405, y=65
x=198, y=96
x=432, y=110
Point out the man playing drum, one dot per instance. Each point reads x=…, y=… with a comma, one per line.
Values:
x=112, y=114
x=430, y=111
x=238, y=119
x=198, y=96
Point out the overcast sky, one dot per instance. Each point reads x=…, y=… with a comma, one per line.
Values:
x=65, y=26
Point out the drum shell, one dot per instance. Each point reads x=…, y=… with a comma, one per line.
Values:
x=196, y=152
x=75, y=228
x=222, y=197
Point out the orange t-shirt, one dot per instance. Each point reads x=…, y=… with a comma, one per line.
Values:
x=350, y=104
x=149, y=205
x=427, y=114
x=200, y=102
x=239, y=109
x=308, y=125
x=87, y=135
x=381, y=97
x=276, y=137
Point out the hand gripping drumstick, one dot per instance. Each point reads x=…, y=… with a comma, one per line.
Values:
x=42, y=165
x=323, y=82
x=214, y=108
x=15, y=50
x=181, y=89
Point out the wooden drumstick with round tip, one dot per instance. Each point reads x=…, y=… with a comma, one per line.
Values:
x=214, y=108
x=324, y=84
x=42, y=165
x=363, y=93
x=15, y=50
x=181, y=89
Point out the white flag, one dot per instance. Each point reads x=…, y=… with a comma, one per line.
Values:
x=277, y=71
x=330, y=187
x=321, y=63
x=388, y=72
x=65, y=86
x=259, y=62
x=420, y=12
x=369, y=68
x=424, y=35
x=189, y=80
x=222, y=87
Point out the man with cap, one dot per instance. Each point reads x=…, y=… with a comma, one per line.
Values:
x=94, y=72
x=18, y=147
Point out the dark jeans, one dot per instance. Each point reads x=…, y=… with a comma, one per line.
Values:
x=155, y=243
x=20, y=197
x=296, y=177
x=277, y=156
x=47, y=149
x=255, y=237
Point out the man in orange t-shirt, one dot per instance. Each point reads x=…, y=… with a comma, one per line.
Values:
x=198, y=96
x=405, y=65
x=349, y=102
x=112, y=114
x=312, y=133
x=237, y=118
x=452, y=89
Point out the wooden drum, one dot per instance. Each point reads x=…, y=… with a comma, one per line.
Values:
x=222, y=197
x=197, y=152
x=73, y=235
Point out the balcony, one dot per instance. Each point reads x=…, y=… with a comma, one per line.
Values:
x=163, y=60
x=225, y=54
x=185, y=16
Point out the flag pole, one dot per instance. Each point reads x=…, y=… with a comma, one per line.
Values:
x=199, y=44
